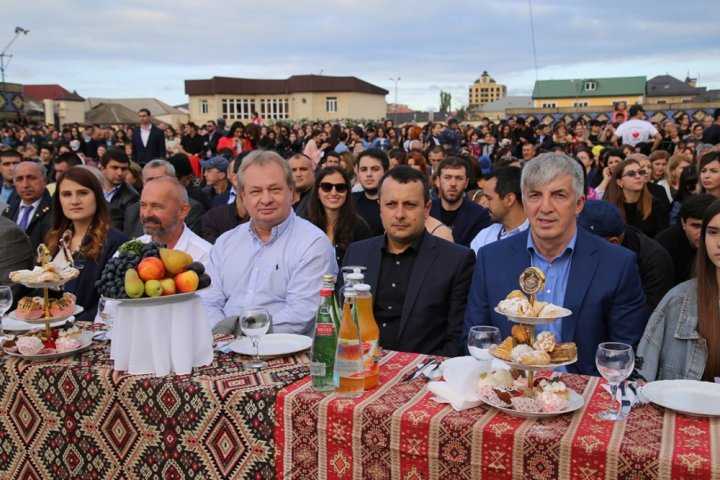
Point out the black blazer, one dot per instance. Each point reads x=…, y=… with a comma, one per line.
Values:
x=469, y=221
x=155, y=145
x=434, y=307
x=39, y=223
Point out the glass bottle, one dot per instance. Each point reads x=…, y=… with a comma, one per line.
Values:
x=324, y=344
x=369, y=334
x=349, y=374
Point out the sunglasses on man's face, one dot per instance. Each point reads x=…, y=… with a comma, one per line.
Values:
x=634, y=173
x=327, y=187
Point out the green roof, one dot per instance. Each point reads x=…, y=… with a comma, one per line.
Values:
x=576, y=88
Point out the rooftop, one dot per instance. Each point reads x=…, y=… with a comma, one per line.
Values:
x=49, y=92
x=296, y=83
x=589, y=87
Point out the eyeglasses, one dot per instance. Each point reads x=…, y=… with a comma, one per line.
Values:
x=327, y=187
x=634, y=173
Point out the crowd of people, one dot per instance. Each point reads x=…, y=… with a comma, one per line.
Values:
x=622, y=217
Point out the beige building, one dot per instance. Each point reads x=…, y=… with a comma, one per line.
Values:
x=317, y=97
x=54, y=103
x=485, y=90
x=160, y=111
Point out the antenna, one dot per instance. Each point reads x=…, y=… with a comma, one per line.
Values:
x=4, y=55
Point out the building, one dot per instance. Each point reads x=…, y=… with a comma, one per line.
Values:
x=496, y=110
x=317, y=97
x=668, y=89
x=54, y=104
x=485, y=90
x=588, y=92
x=160, y=111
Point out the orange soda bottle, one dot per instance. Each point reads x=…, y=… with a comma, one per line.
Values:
x=348, y=373
x=369, y=334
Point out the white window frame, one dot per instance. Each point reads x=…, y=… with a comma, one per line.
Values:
x=331, y=104
x=204, y=107
x=274, y=108
x=548, y=105
x=237, y=108
x=590, y=86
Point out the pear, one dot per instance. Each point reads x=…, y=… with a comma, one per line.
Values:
x=175, y=261
x=134, y=287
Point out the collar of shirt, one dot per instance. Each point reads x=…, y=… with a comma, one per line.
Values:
x=415, y=246
x=520, y=228
x=276, y=231
x=109, y=195
x=569, y=248
x=33, y=205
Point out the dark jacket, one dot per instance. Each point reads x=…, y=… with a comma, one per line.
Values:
x=469, y=220
x=434, y=306
x=220, y=220
x=654, y=263
x=39, y=223
x=16, y=253
x=682, y=252
x=122, y=199
x=155, y=147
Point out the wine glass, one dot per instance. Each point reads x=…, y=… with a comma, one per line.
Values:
x=254, y=323
x=6, y=299
x=480, y=339
x=106, y=311
x=615, y=362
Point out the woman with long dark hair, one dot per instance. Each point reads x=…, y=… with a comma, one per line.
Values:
x=234, y=139
x=79, y=207
x=331, y=210
x=682, y=336
x=638, y=207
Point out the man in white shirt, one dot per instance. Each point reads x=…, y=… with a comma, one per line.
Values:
x=163, y=209
x=504, y=198
x=276, y=260
x=637, y=131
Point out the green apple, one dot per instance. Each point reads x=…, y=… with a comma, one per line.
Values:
x=153, y=288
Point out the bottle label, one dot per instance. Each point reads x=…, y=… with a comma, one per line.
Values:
x=318, y=369
x=370, y=356
x=348, y=361
x=324, y=329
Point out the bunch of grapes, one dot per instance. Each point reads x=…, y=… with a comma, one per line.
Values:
x=112, y=280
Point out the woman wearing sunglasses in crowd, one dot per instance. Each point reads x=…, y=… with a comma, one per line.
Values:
x=628, y=192
x=331, y=210
x=80, y=207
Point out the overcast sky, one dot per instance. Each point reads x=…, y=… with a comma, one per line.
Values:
x=130, y=48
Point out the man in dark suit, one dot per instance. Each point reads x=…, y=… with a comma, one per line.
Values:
x=30, y=210
x=466, y=218
x=148, y=141
x=596, y=280
x=118, y=193
x=16, y=253
x=419, y=282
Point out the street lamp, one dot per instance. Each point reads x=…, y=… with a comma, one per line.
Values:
x=3, y=55
x=396, y=80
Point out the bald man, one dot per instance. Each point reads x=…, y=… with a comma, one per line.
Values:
x=31, y=208
x=163, y=209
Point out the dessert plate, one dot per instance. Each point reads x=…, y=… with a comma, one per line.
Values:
x=535, y=368
x=85, y=340
x=564, y=312
x=11, y=325
x=273, y=345
x=42, y=320
x=576, y=402
x=685, y=396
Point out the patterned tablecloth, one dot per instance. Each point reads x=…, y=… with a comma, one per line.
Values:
x=398, y=431
x=77, y=418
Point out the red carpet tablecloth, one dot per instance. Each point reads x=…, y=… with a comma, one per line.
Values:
x=397, y=431
x=77, y=418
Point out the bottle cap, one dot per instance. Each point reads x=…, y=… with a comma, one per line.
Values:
x=362, y=287
x=355, y=277
x=325, y=292
x=350, y=292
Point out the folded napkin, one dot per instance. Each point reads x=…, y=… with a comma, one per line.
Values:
x=460, y=375
x=629, y=396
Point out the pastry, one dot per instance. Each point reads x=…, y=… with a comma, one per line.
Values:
x=503, y=350
x=29, y=308
x=552, y=402
x=515, y=306
x=45, y=274
x=30, y=345
x=545, y=341
x=64, y=306
x=519, y=351
x=516, y=294
x=551, y=311
x=538, y=307
x=521, y=333
x=66, y=344
x=534, y=357
x=555, y=386
x=563, y=352
x=495, y=378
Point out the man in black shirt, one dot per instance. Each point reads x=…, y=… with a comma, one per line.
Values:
x=419, y=282
x=371, y=165
x=192, y=143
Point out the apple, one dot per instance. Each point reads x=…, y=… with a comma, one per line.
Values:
x=153, y=288
x=168, y=285
x=187, y=281
x=151, y=268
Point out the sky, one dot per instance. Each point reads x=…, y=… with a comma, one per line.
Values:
x=132, y=49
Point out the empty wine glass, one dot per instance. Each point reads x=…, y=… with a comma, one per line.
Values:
x=254, y=323
x=106, y=311
x=615, y=362
x=6, y=299
x=480, y=339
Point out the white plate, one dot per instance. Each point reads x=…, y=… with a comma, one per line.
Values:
x=576, y=402
x=41, y=320
x=12, y=325
x=534, y=320
x=273, y=345
x=536, y=368
x=162, y=300
x=685, y=396
x=85, y=342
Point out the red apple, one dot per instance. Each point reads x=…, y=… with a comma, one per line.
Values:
x=151, y=268
x=187, y=281
x=168, y=285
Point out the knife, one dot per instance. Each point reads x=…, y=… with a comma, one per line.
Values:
x=422, y=368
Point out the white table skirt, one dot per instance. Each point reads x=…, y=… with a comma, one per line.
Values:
x=161, y=338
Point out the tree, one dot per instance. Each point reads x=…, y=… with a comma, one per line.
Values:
x=445, y=99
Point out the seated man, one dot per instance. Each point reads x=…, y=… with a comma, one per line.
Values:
x=596, y=280
x=16, y=253
x=276, y=260
x=119, y=194
x=31, y=207
x=163, y=209
x=419, y=282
